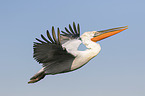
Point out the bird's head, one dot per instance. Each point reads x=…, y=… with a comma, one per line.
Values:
x=99, y=35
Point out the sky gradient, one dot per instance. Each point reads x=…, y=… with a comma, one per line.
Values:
x=118, y=70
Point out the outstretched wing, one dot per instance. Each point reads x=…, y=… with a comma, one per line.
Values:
x=51, y=54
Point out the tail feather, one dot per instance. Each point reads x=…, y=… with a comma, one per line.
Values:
x=37, y=77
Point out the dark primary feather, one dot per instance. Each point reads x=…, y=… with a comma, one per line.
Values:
x=51, y=54
x=78, y=29
x=53, y=34
x=74, y=33
x=70, y=28
x=74, y=26
x=58, y=34
x=44, y=38
x=67, y=31
x=49, y=37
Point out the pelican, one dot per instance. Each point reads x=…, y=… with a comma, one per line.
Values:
x=59, y=53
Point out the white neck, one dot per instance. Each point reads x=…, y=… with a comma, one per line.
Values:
x=91, y=45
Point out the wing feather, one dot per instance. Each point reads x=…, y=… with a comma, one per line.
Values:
x=44, y=38
x=69, y=35
x=78, y=31
x=53, y=34
x=49, y=37
x=71, y=39
x=74, y=26
x=58, y=34
x=70, y=28
x=53, y=52
x=40, y=40
x=67, y=31
x=64, y=33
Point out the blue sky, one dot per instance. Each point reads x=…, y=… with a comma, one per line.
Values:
x=118, y=70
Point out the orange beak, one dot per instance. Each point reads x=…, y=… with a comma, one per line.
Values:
x=99, y=35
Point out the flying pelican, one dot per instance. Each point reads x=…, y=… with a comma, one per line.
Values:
x=60, y=55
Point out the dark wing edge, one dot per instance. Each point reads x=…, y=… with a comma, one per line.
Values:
x=72, y=33
x=44, y=47
x=51, y=40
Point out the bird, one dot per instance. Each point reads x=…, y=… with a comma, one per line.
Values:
x=58, y=53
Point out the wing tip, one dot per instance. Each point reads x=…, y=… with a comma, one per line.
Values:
x=73, y=32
